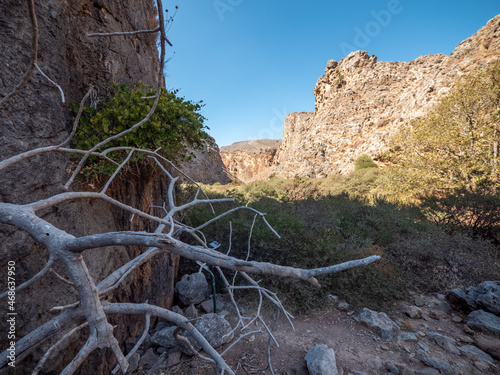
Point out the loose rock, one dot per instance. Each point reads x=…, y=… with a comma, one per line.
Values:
x=490, y=345
x=444, y=342
x=414, y=312
x=193, y=289
x=484, y=321
x=474, y=353
x=321, y=361
x=381, y=321
x=442, y=366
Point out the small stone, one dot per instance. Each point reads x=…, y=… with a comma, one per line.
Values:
x=468, y=330
x=174, y=358
x=419, y=300
x=165, y=337
x=149, y=359
x=434, y=315
x=133, y=362
x=413, y=312
x=466, y=339
x=457, y=319
x=176, y=309
x=300, y=368
x=374, y=363
x=332, y=300
x=207, y=306
x=407, y=336
x=392, y=368
x=490, y=345
x=343, y=305
x=422, y=334
x=483, y=366
x=444, y=306
x=422, y=345
x=384, y=347
x=191, y=312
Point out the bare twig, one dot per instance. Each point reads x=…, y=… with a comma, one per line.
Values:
x=47, y=354
x=110, y=180
x=120, y=33
x=61, y=278
x=138, y=343
x=52, y=82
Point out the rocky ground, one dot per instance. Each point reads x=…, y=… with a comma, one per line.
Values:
x=425, y=335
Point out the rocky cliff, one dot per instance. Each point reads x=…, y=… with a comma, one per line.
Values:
x=360, y=102
x=250, y=160
x=37, y=117
x=207, y=166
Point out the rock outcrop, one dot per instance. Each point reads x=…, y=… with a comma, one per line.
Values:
x=250, y=160
x=36, y=117
x=360, y=103
x=206, y=166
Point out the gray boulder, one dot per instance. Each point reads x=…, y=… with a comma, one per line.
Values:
x=476, y=354
x=214, y=328
x=483, y=321
x=459, y=300
x=485, y=296
x=444, y=342
x=192, y=289
x=165, y=337
x=321, y=361
x=378, y=320
x=442, y=366
x=488, y=296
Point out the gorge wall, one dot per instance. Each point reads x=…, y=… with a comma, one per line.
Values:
x=249, y=161
x=360, y=102
x=37, y=117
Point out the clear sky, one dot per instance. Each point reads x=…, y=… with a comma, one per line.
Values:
x=254, y=61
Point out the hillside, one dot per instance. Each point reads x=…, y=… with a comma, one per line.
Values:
x=360, y=103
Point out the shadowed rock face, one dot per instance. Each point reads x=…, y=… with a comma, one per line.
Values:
x=37, y=117
x=361, y=102
x=250, y=160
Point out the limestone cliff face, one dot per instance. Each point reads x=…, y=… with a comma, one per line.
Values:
x=250, y=160
x=37, y=117
x=360, y=102
x=207, y=166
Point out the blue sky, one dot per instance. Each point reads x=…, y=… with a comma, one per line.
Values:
x=254, y=61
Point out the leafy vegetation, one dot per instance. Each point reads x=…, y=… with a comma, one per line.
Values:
x=175, y=126
x=364, y=162
x=455, y=146
x=320, y=224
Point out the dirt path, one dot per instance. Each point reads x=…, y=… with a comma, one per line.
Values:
x=357, y=348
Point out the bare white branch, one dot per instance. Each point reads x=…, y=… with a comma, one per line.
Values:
x=52, y=82
x=121, y=33
x=48, y=353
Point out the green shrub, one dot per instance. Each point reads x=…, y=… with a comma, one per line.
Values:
x=176, y=125
x=364, y=162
